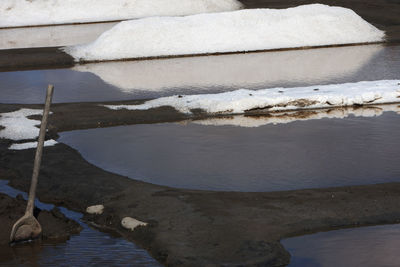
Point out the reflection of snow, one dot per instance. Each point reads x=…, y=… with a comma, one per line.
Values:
x=18, y=126
x=51, y=35
x=45, y=12
x=280, y=99
x=236, y=70
x=288, y=117
x=237, y=31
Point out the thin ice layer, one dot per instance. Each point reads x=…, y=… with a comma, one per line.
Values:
x=45, y=12
x=243, y=30
x=276, y=99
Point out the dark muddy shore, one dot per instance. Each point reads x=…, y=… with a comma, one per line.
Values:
x=384, y=14
x=188, y=227
x=196, y=228
x=56, y=226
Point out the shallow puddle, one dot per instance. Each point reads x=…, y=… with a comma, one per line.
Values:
x=90, y=247
x=365, y=246
x=206, y=74
x=267, y=154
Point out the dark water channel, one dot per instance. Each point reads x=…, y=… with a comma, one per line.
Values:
x=89, y=248
x=213, y=155
x=206, y=74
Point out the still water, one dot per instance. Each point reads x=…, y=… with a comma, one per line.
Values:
x=342, y=147
x=206, y=74
x=89, y=248
x=366, y=246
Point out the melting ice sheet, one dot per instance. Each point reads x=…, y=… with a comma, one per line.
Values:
x=296, y=155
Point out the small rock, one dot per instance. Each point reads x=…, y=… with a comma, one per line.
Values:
x=316, y=89
x=96, y=209
x=131, y=223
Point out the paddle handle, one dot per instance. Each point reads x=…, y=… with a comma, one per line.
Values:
x=39, y=150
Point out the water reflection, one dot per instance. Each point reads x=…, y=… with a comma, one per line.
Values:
x=90, y=247
x=254, y=70
x=209, y=74
x=301, y=154
x=366, y=246
x=48, y=36
x=300, y=115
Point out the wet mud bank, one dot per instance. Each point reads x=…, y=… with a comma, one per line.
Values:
x=34, y=58
x=191, y=227
x=56, y=227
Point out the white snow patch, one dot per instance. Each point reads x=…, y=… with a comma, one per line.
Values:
x=96, y=209
x=280, y=99
x=45, y=12
x=243, y=30
x=245, y=70
x=29, y=145
x=131, y=223
x=293, y=116
x=18, y=126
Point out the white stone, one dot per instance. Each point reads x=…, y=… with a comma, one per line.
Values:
x=96, y=209
x=131, y=223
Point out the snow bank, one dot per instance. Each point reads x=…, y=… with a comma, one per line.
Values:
x=234, y=71
x=17, y=126
x=243, y=30
x=279, y=99
x=293, y=116
x=29, y=145
x=45, y=12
